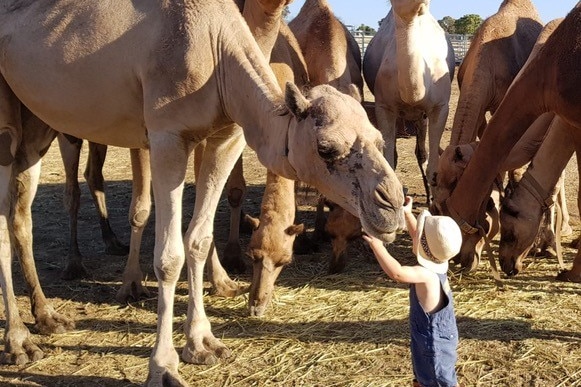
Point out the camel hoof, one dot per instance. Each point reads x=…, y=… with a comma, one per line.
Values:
x=114, y=247
x=75, y=270
x=132, y=291
x=21, y=354
x=229, y=289
x=232, y=261
x=53, y=322
x=568, y=276
x=337, y=265
x=566, y=230
x=210, y=356
x=165, y=378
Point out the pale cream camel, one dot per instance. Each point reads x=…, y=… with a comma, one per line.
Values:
x=526, y=205
x=124, y=83
x=409, y=66
x=554, y=67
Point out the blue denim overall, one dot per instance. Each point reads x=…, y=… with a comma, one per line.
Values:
x=434, y=338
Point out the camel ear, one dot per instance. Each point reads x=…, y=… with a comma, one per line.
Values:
x=296, y=102
x=463, y=154
x=295, y=229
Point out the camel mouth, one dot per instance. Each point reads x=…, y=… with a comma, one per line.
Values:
x=382, y=235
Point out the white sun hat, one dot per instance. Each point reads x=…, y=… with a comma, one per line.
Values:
x=438, y=239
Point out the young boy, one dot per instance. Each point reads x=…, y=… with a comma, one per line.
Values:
x=434, y=334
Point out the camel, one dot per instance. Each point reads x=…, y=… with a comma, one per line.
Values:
x=409, y=66
x=121, y=82
x=498, y=50
x=553, y=67
x=333, y=57
x=525, y=206
x=70, y=148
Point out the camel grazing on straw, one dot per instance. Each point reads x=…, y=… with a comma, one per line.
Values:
x=333, y=57
x=498, y=50
x=553, y=67
x=541, y=186
x=409, y=66
x=164, y=76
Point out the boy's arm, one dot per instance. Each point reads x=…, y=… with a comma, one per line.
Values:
x=397, y=272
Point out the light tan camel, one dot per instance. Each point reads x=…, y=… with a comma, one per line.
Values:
x=526, y=205
x=333, y=57
x=123, y=82
x=554, y=67
x=409, y=66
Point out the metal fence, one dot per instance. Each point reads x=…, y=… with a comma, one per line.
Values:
x=461, y=43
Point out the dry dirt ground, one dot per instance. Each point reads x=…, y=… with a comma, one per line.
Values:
x=342, y=330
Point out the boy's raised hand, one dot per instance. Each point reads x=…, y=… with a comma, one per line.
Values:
x=408, y=204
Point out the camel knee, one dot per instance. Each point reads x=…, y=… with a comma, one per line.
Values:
x=139, y=218
x=7, y=148
x=168, y=268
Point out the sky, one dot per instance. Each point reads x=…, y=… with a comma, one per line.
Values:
x=369, y=12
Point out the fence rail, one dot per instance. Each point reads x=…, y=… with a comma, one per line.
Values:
x=461, y=43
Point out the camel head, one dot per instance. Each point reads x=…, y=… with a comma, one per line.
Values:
x=451, y=166
x=520, y=217
x=407, y=10
x=333, y=147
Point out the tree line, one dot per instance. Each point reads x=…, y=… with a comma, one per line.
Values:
x=466, y=25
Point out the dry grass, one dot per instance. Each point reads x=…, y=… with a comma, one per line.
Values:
x=342, y=330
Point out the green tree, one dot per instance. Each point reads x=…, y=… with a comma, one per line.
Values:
x=468, y=24
x=366, y=29
x=448, y=24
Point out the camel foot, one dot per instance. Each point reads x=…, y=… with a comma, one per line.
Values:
x=75, y=270
x=164, y=377
x=569, y=276
x=114, y=247
x=131, y=291
x=232, y=260
x=209, y=354
x=228, y=288
x=566, y=230
x=248, y=224
x=49, y=322
x=19, y=349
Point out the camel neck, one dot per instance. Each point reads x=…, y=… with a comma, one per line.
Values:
x=410, y=62
x=252, y=98
x=264, y=22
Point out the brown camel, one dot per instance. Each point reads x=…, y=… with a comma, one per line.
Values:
x=121, y=82
x=526, y=205
x=409, y=65
x=555, y=68
x=333, y=57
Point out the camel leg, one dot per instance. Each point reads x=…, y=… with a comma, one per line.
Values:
x=221, y=154
x=566, y=228
x=422, y=156
x=574, y=274
x=70, y=148
x=18, y=346
x=132, y=287
x=437, y=122
x=168, y=185
x=96, y=182
x=386, y=124
x=236, y=189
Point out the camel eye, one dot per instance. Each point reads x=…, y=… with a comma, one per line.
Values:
x=327, y=151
